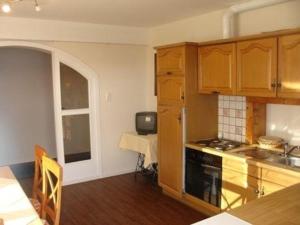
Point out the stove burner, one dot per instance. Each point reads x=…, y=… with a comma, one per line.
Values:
x=219, y=144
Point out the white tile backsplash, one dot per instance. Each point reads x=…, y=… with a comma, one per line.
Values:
x=232, y=117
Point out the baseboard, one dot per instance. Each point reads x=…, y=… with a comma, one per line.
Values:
x=23, y=170
x=104, y=175
x=116, y=173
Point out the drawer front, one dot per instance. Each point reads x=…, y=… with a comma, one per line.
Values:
x=279, y=178
x=242, y=167
x=171, y=61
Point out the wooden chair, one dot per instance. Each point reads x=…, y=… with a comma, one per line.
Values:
x=37, y=192
x=52, y=188
x=1, y=222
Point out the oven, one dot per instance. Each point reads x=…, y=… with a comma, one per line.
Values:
x=203, y=176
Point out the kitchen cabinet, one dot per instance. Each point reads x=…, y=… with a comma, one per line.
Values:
x=257, y=67
x=170, y=90
x=238, y=189
x=170, y=148
x=289, y=66
x=217, y=69
x=242, y=182
x=171, y=61
x=178, y=101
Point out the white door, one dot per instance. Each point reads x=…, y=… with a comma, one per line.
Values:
x=75, y=121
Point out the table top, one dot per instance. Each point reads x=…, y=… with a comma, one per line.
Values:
x=15, y=207
x=282, y=207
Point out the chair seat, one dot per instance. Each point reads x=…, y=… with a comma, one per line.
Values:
x=36, y=204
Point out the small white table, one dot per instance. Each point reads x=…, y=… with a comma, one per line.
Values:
x=15, y=207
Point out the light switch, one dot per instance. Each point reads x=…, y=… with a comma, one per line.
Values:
x=108, y=97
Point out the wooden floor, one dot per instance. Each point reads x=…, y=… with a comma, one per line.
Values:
x=120, y=200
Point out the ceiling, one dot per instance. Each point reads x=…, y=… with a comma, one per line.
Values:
x=140, y=13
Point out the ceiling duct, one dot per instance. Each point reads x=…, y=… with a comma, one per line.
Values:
x=229, y=16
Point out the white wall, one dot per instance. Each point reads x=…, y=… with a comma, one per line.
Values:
x=51, y=30
x=122, y=74
x=284, y=121
x=26, y=105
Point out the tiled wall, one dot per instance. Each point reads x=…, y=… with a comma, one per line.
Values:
x=232, y=118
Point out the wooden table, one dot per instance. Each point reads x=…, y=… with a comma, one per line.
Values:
x=15, y=208
x=280, y=208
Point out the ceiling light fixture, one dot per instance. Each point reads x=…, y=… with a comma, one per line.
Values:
x=37, y=7
x=6, y=5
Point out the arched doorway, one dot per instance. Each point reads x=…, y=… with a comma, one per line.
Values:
x=76, y=103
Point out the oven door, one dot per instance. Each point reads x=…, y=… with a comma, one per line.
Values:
x=211, y=178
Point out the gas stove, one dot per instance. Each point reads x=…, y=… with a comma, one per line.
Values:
x=219, y=144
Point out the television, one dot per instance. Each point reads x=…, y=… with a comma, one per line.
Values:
x=146, y=123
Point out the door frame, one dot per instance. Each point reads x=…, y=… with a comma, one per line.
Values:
x=58, y=56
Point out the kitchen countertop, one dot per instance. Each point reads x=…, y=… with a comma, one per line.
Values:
x=279, y=208
x=230, y=154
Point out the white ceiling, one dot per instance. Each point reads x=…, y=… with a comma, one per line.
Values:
x=141, y=13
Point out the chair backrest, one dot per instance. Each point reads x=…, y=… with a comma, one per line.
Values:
x=37, y=190
x=52, y=188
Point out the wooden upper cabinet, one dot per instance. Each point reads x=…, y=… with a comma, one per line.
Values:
x=289, y=66
x=170, y=90
x=170, y=146
x=171, y=61
x=217, y=69
x=257, y=67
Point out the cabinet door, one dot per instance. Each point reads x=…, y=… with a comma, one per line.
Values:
x=170, y=148
x=170, y=90
x=269, y=188
x=238, y=189
x=170, y=61
x=217, y=69
x=289, y=66
x=257, y=67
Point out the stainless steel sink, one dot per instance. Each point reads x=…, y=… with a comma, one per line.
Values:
x=255, y=152
x=289, y=161
x=269, y=156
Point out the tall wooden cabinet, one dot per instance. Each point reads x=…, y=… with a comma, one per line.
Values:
x=182, y=112
x=170, y=148
x=257, y=67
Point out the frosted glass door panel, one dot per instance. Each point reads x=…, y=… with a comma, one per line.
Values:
x=77, y=144
x=74, y=89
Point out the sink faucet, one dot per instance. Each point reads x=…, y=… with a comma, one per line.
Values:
x=289, y=149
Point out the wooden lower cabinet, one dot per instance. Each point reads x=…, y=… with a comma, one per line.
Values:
x=269, y=188
x=238, y=189
x=242, y=182
x=170, y=149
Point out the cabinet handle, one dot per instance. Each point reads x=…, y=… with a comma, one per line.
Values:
x=181, y=94
x=274, y=84
x=262, y=192
x=279, y=85
x=169, y=73
x=215, y=92
x=256, y=191
x=179, y=118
